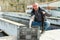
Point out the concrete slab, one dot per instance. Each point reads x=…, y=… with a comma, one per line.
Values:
x=8, y=38
x=51, y=35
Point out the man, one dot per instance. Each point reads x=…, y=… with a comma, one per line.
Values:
x=38, y=17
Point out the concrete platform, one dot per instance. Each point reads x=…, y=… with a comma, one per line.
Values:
x=51, y=35
x=8, y=38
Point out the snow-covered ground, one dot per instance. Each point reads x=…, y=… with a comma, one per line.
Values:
x=51, y=35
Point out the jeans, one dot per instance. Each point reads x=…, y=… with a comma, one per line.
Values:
x=39, y=24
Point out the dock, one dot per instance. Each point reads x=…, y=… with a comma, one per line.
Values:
x=11, y=24
x=47, y=35
x=10, y=27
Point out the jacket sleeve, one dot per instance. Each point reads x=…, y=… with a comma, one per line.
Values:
x=46, y=13
x=32, y=13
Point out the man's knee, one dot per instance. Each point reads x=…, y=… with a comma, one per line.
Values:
x=46, y=24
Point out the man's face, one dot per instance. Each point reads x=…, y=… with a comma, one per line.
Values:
x=35, y=7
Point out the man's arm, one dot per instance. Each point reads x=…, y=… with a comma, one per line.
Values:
x=46, y=13
x=31, y=20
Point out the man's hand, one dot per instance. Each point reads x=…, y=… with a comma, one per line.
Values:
x=33, y=17
x=43, y=12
